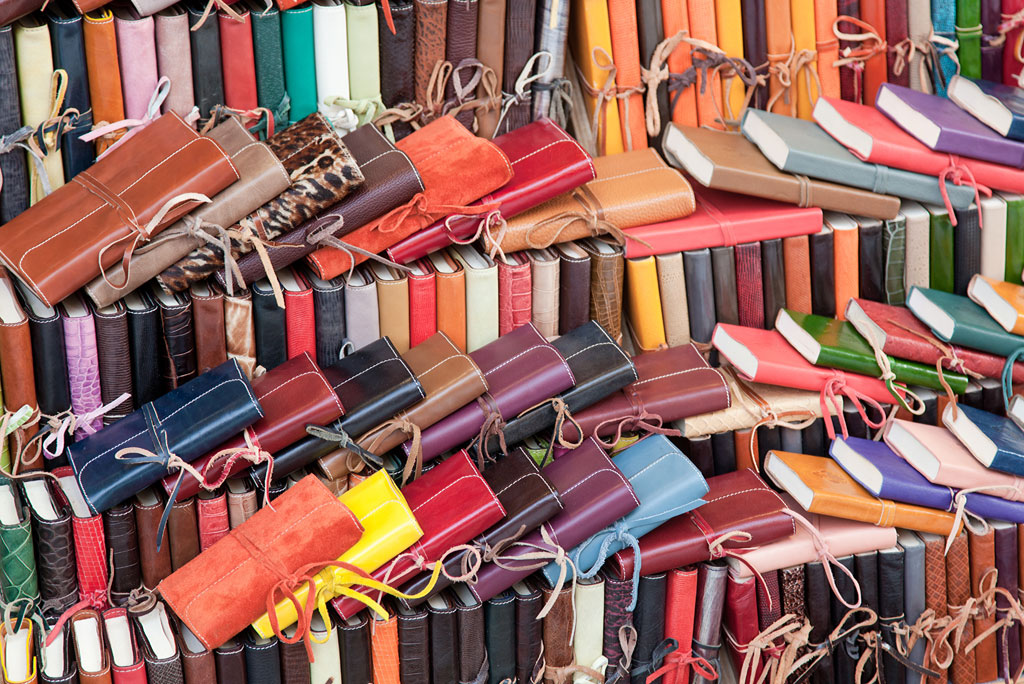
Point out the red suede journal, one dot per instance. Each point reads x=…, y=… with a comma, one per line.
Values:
x=237, y=61
x=724, y=218
x=422, y=302
x=300, y=325
x=885, y=143
x=515, y=292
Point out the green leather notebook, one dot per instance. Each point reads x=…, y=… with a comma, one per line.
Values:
x=364, y=58
x=940, y=250
x=968, y=36
x=958, y=320
x=1014, y=238
x=837, y=344
x=299, y=61
x=269, y=56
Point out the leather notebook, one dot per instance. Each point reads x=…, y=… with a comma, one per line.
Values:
x=299, y=61
x=623, y=19
x=66, y=30
x=644, y=315
x=675, y=313
x=423, y=300
x=515, y=290
x=574, y=286
x=103, y=70
x=14, y=193
x=750, y=304
x=268, y=52
x=269, y=325
x=207, y=78
x=702, y=298
x=174, y=58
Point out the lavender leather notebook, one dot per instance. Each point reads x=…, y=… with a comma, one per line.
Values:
x=942, y=126
x=885, y=474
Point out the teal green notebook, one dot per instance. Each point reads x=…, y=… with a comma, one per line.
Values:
x=299, y=61
x=940, y=250
x=1014, y=238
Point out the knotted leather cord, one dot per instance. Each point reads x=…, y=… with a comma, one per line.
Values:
x=256, y=115
x=797, y=62
x=753, y=670
x=365, y=110
x=603, y=94
x=839, y=634
x=876, y=647
x=794, y=420
x=222, y=6
x=493, y=426
x=627, y=644
x=560, y=108
x=657, y=72
x=24, y=138
x=706, y=65
x=67, y=422
x=590, y=213
x=641, y=419
x=133, y=126
x=669, y=657
x=483, y=227
x=538, y=556
x=884, y=363
x=252, y=452
x=1007, y=376
x=345, y=441
x=480, y=552
x=827, y=397
x=562, y=414
x=1012, y=22
x=957, y=172
x=484, y=77
x=827, y=558
x=870, y=42
x=409, y=112
x=436, y=86
x=414, y=461
x=526, y=79
x=322, y=234
x=9, y=425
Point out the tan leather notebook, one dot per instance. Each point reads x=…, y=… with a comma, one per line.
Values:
x=393, y=305
x=675, y=313
x=451, y=290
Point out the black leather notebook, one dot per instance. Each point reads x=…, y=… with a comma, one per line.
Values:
x=529, y=631
x=207, y=81
x=14, y=193
x=966, y=248
x=444, y=647
x=262, y=659
x=69, y=54
x=866, y=565
x=178, y=343
x=520, y=18
x=871, y=271
x=269, y=325
x=397, y=57
x=723, y=448
x=723, y=268
x=817, y=602
x=700, y=294
x=700, y=451
x=755, y=43
x=46, y=330
x=931, y=406
x=773, y=275
x=413, y=644
x=114, y=350
x=649, y=620
x=844, y=656
x=823, y=273
x=329, y=317
x=356, y=660
x=500, y=623
x=891, y=607
x=144, y=334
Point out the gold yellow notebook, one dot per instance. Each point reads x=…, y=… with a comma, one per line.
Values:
x=802, y=17
x=644, y=304
x=730, y=38
x=591, y=42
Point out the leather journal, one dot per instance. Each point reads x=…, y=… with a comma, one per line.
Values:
x=658, y=193
x=450, y=380
x=36, y=240
x=546, y=162
x=184, y=423
x=307, y=524
x=688, y=539
x=293, y=395
x=656, y=398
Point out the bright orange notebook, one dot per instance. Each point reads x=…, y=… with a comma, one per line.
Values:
x=828, y=47
x=779, y=35
x=846, y=242
x=675, y=18
x=703, y=27
x=875, y=69
x=626, y=55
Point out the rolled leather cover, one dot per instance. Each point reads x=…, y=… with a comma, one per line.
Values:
x=546, y=162
x=207, y=79
x=414, y=645
x=174, y=58
x=618, y=594
x=500, y=622
x=368, y=399
x=703, y=278
x=293, y=395
x=529, y=632
x=187, y=422
x=649, y=621
x=982, y=554
x=657, y=394
x=390, y=181
x=450, y=380
x=529, y=500
x=307, y=524
x=773, y=274
x=686, y=539
x=122, y=540
x=749, y=285
x=599, y=367
x=239, y=330
x=72, y=226
x=114, y=352
x=521, y=369
x=440, y=151
x=558, y=631
x=55, y=560
x=594, y=494
x=321, y=171
x=453, y=504
x=658, y=193
x=398, y=58
x=69, y=54
x=135, y=671
x=237, y=62
x=299, y=318
x=230, y=661
x=73, y=652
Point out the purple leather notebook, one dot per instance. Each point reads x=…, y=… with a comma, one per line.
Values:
x=885, y=474
x=522, y=369
x=594, y=494
x=944, y=127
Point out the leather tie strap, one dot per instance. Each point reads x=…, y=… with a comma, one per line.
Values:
x=1007, y=376
x=645, y=669
x=809, y=662
x=251, y=452
x=23, y=139
x=414, y=462
x=828, y=398
x=827, y=559
x=493, y=426
x=627, y=644
x=67, y=423
x=344, y=441
x=562, y=414
x=322, y=234
x=528, y=76
x=618, y=532
x=960, y=174
x=483, y=228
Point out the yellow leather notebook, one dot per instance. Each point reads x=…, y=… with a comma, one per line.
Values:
x=591, y=43
x=729, y=22
x=827, y=46
x=821, y=486
x=1003, y=301
x=36, y=92
x=389, y=528
x=675, y=19
x=643, y=304
x=778, y=33
x=703, y=27
x=846, y=250
x=802, y=17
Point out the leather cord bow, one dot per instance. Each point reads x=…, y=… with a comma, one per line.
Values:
x=827, y=397
x=322, y=234
x=226, y=458
x=538, y=556
x=414, y=461
x=68, y=423
x=646, y=421
x=493, y=427
x=590, y=213
x=627, y=644
x=848, y=626
x=156, y=100
x=562, y=415
x=827, y=559
x=344, y=441
x=528, y=76
x=619, y=532
x=884, y=362
x=23, y=139
x=870, y=44
x=484, y=227
x=959, y=173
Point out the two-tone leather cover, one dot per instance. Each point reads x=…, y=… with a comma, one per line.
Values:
x=51, y=234
x=185, y=422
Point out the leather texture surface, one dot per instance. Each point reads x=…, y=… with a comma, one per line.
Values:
x=55, y=559
x=414, y=645
x=115, y=362
x=208, y=318
x=83, y=363
x=155, y=565
x=431, y=28
x=178, y=350
x=174, y=58
x=120, y=532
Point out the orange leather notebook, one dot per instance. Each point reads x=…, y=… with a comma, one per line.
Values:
x=1004, y=301
x=828, y=47
x=846, y=243
x=104, y=73
x=384, y=649
x=779, y=38
x=821, y=486
x=796, y=257
x=703, y=27
x=675, y=18
x=875, y=69
x=451, y=294
x=626, y=55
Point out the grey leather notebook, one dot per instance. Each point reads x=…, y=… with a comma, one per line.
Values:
x=913, y=592
x=773, y=274
x=723, y=265
x=700, y=294
x=801, y=147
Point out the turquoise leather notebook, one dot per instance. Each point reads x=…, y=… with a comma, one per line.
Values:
x=299, y=61
x=958, y=320
x=803, y=148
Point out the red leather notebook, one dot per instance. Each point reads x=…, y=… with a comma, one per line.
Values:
x=90, y=544
x=876, y=68
x=515, y=292
x=237, y=62
x=1011, y=67
x=680, y=603
x=422, y=301
x=749, y=286
x=739, y=619
x=626, y=55
x=765, y=356
x=896, y=32
x=897, y=323
x=299, y=319
x=212, y=512
x=723, y=218
x=875, y=138
x=850, y=80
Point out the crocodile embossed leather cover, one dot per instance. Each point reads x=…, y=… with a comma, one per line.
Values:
x=514, y=291
x=414, y=645
x=607, y=269
x=544, y=277
x=84, y=246
x=431, y=26
x=453, y=504
x=657, y=394
x=121, y=537
x=187, y=422
x=55, y=559
x=594, y=494
x=749, y=288
x=436, y=150
x=293, y=395
x=82, y=359
x=300, y=321
x=450, y=380
x=384, y=649
x=212, y=514
x=215, y=611
x=546, y=162
x=529, y=500
x=159, y=649
x=685, y=540
x=520, y=24
x=521, y=369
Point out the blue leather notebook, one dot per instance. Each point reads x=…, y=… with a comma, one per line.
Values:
x=998, y=106
x=944, y=26
x=995, y=441
x=803, y=148
x=956, y=319
x=884, y=473
x=667, y=484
